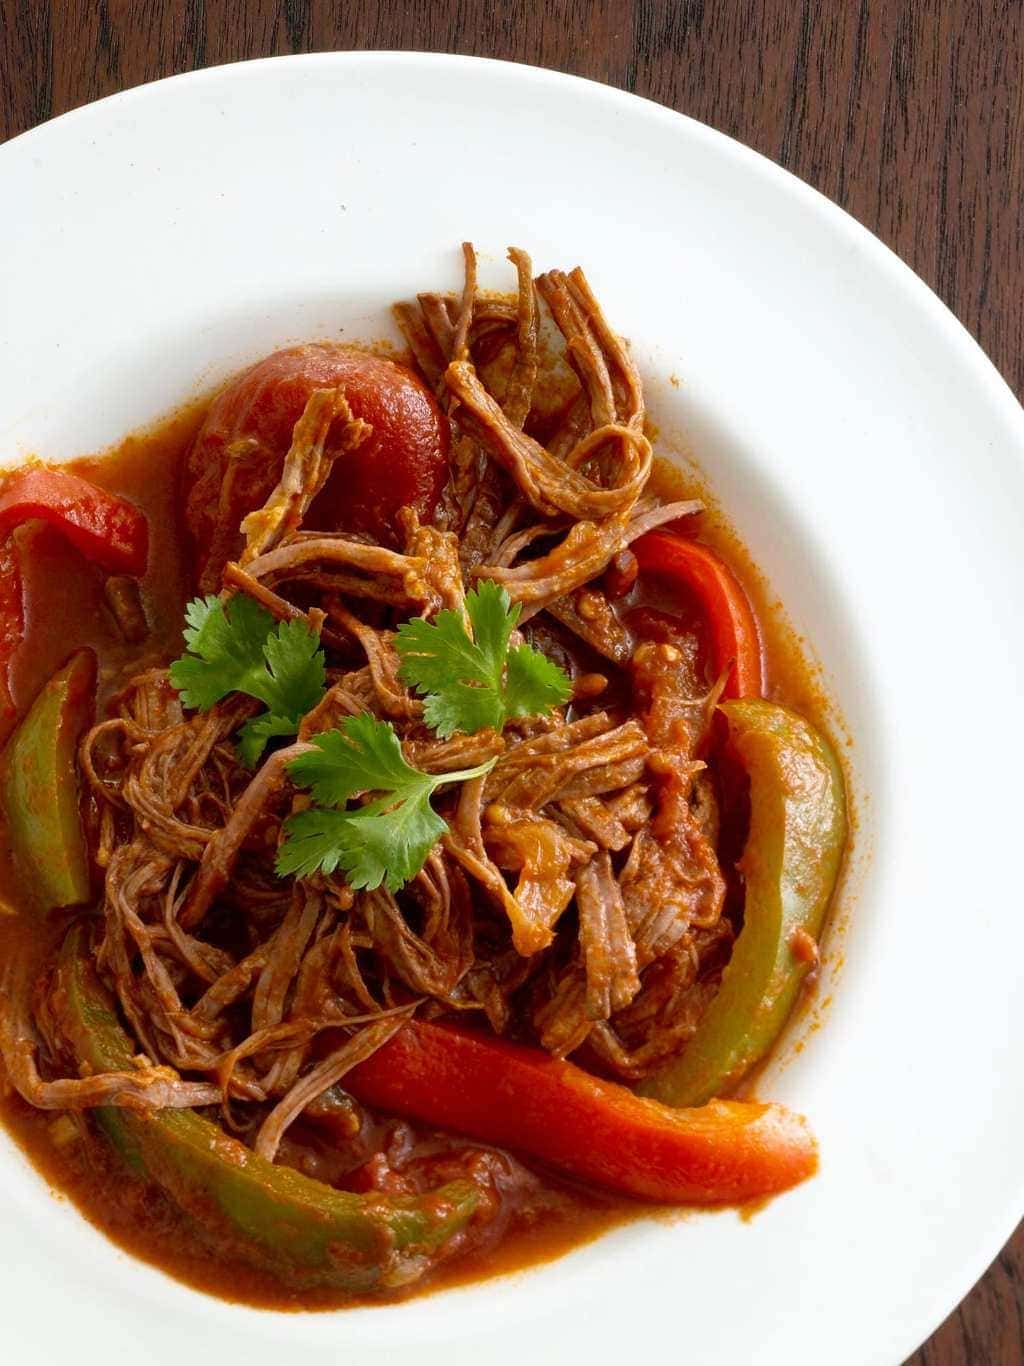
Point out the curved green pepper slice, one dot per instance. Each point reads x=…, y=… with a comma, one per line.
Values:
x=39, y=786
x=274, y=1217
x=791, y=863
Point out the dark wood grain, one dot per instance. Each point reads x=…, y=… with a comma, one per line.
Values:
x=909, y=113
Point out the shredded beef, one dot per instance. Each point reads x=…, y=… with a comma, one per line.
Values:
x=576, y=898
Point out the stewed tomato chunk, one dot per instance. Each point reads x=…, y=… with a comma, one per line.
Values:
x=238, y=453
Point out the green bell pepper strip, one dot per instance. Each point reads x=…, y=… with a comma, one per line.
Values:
x=791, y=864
x=39, y=786
x=274, y=1217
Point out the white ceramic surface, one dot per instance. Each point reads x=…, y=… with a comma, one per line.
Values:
x=872, y=459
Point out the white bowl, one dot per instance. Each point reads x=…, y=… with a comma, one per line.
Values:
x=869, y=455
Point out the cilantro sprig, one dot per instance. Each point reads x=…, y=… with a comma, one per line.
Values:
x=239, y=647
x=371, y=815
x=470, y=682
x=386, y=840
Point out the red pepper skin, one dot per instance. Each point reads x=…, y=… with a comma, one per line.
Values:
x=733, y=626
x=12, y=628
x=108, y=530
x=725, y=1152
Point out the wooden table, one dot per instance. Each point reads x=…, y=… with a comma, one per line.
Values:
x=909, y=113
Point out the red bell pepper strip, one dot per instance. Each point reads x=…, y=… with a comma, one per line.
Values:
x=734, y=635
x=12, y=628
x=108, y=530
x=498, y=1092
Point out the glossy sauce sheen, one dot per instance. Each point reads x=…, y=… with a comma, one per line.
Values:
x=146, y=468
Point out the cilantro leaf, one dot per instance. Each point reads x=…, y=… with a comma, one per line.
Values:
x=238, y=647
x=389, y=838
x=534, y=684
x=254, y=735
x=494, y=619
x=364, y=756
x=295, y=665
x=473, y=682
x=225, y=650
x=315, y=841
x=390, y=846
x=435, y=652
x=462, y=707
x=439, y=653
